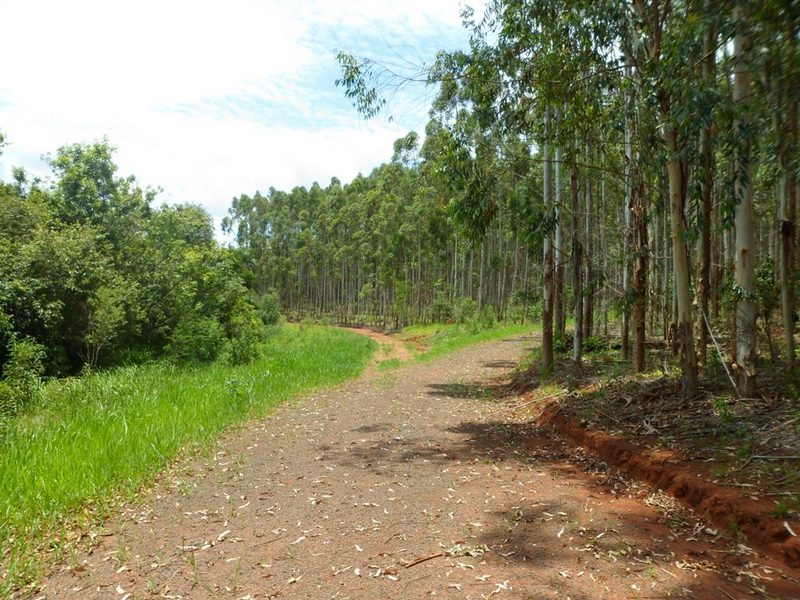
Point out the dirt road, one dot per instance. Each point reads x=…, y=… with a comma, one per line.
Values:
x=410, y=483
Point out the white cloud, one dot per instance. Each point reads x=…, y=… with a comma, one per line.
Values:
x=205, y=99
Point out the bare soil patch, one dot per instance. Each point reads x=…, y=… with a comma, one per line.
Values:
x=390, y=347
x=419, y=482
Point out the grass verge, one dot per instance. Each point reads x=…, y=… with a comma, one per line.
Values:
x=439, y=338
x=94, y=440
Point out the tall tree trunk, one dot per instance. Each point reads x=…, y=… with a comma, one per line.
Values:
x=559, y=317
x=604, y=251
x=547, y=264
x=639, y=279
x=786, y=190
x=746, y=309
x=680, y=261
x=626, y=232
x=666, y=250
x=588, y=308
x=706, y=191
x=577, y=284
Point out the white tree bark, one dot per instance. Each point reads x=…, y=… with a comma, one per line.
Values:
x=746, y=308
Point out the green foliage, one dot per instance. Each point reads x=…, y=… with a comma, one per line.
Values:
x=442, y=309
x=356, y=76
x=247, y=333
x=196, y=339
x=386, y=248
x=97, y=276
x=22, y=376
x=464, y=310
x=768, y=293
x=562, y=344
x=482, y=320
x=516, y=313
x=269, y=309
x=105, y=320
x=595, y=344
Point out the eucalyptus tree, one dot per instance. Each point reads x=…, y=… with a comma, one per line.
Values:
x=746, y=308
x=662, y=49
x=778, y=63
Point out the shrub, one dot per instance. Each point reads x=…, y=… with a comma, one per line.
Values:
x=442, y=309
x=487, y=317
x=196, y=339
x=8, y=401
x=595, y=344
x=483, y=320
x=464, y=310
x=563, y=344
x=516, y=314
x=243, y=350
x=269, y=309
x=246, y=334
x=22, y=376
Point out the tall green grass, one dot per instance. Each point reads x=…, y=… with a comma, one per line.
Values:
x=96, y=438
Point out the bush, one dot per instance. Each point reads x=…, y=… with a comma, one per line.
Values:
x=464, y=310
x=246, y=334
x=442, y=309
x=487, y=317
x=595, y=344
x=269, y=309
x=22, y=376
x=196, y=339
x=483, y=320
x=8, y=401
x=563, y=344
x=516, y=314
x=243, y=350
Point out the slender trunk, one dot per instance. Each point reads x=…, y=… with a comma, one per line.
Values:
x=706, y=192
x=588, y=308
x=639, y=279
x=547, y=264
x=577, y=284
x=480, y=275
x=626, y=232
x=786, y=191
x=746, y=309
x=680, y=262
x=666, y=254
x=604, y=252
x=560, y=296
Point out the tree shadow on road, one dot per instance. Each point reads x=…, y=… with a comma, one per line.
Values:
x=582, y=529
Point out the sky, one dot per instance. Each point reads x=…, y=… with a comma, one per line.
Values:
x=209, y=100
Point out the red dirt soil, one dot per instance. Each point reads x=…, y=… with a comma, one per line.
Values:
x=685, y=480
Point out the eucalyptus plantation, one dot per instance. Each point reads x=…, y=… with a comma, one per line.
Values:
x=683, y=114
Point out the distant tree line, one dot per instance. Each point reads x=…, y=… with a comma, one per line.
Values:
x=387, y=248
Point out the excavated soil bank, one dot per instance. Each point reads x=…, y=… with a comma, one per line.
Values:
x=685, y=480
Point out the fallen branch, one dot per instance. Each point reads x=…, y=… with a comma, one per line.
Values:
x=413, y=563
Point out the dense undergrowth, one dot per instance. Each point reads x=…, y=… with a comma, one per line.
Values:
x=89, y=442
